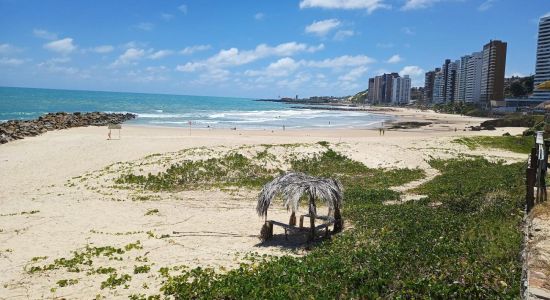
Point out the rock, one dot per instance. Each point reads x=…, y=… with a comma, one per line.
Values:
x=17, y=129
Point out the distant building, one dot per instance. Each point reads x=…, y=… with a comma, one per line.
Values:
x=370, y=95
x=492, y=73
x=439, y=88
x=417, y=95
x=429, y=85
x=401, y=90
x=451, y=80
x=462, y=74
x=542, y=68
x=473, y=78
x=380, y=88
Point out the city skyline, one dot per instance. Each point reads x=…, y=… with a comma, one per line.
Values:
x=270, y=49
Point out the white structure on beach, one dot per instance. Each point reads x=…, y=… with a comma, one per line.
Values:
x=401, y=90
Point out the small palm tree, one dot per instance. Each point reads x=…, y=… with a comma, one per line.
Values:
x=291, y=186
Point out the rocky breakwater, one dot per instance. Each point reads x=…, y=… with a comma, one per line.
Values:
x=19, y=129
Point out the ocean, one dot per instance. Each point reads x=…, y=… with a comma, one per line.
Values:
x=179, y=110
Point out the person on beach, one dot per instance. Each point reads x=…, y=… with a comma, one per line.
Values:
x=109, y=135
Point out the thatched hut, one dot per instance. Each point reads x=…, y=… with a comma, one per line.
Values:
x=292, y=186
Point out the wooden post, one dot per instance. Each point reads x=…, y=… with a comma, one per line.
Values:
x=292, y=221
x=534, y=158
x=338, y=223
x=530, y=178
x=312, y=215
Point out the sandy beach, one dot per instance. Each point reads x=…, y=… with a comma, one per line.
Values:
x=57, y=196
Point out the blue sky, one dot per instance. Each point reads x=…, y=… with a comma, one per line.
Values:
x=251, y=48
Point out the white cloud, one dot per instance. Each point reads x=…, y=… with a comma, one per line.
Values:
x=63, y=46
x=189, y=67
x=192, y=49
x=4, y=61
x=343, y=34
x=145, y=26
x=394, y=59
x=415, y=72
x=341, y=61
x=183, y=8
x=103, y=49
x=160, y=54
x=129, y=56
x=369, y=5
x=297, y=82
x=213, y=75
x=418, y=4
x=259, y=16
x=321, y=28
x=236, y=57
x=411, y=71
x=408, y=31
x=486, y=5
x=282, y=67
x=44, y=34
x=354, y=74
x=166, y=17
x=8, y=48
x=57, y=65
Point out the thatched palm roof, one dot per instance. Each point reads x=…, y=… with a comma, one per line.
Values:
x=544, y=105
x=543, y=85
x=291, y=186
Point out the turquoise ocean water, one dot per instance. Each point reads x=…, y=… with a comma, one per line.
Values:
x=178, y=110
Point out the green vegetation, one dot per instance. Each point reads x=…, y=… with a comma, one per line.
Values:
x=519, y=87
x=141, y=269
x=66, y=282
x=32, y=212
x=152, y=212
x=113, y=280
x=233, y=169
x=518, y=144
x=84, y=259
x=463, y=241
x=460, y=108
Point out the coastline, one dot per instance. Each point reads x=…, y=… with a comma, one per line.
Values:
x=61, y=176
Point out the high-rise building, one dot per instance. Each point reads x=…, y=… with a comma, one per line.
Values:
x=439, y=88
x=370, y=95
x=542, y=68
x=417, y=95
x=429, y=85
x=401, y=90
x=492, y=72
x=380, y=88
x=462, y=71
x=451, y=80
x=473, y=77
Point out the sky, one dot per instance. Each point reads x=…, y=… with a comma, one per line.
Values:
x=252, y=48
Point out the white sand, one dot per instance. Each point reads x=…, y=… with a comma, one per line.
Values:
x=219, y=226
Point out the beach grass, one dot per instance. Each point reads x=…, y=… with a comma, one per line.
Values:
x=518, y=144
x=463, y=241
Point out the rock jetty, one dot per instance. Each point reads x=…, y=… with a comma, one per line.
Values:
x=19, y=129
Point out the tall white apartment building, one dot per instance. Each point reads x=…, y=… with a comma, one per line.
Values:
x=401, y=90
x=472, y=83
x=542, y=68
x=439, y=87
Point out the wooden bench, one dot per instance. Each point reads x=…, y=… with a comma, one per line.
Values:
x=294, y=229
